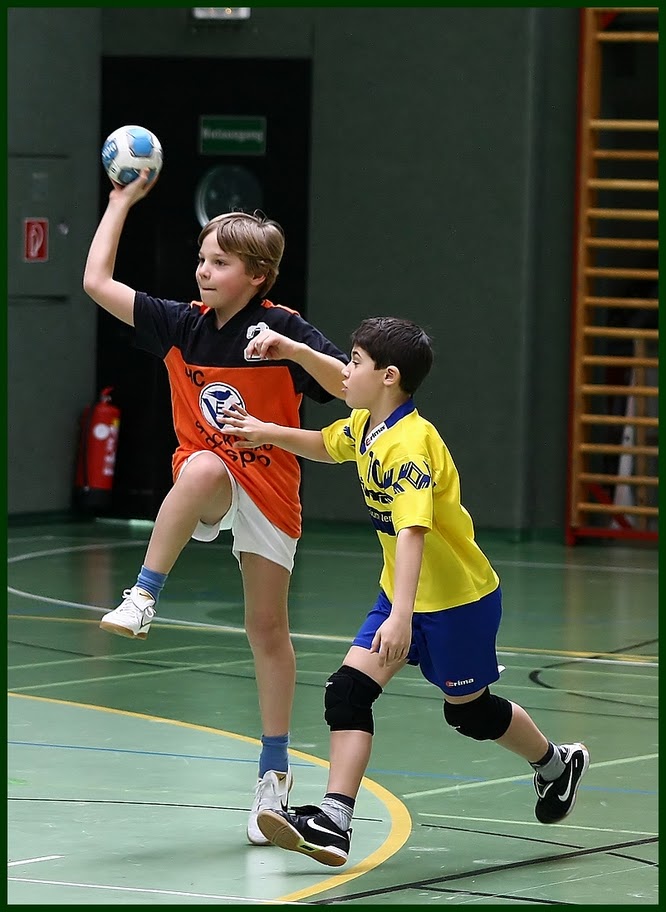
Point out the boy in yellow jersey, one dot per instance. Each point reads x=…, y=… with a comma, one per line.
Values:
x=440, y=600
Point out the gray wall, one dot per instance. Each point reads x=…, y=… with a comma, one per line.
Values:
x=443, y=148
x=52, y=106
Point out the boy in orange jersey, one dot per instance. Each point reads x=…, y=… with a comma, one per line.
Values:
x=220, y=351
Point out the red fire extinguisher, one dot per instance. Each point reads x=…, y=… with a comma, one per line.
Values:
x=96, y=458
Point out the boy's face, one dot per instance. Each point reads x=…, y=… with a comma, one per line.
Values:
x=362, y=382
x=221, y=277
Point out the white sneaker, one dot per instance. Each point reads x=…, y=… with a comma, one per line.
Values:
x=271, y=792
x=133, y=616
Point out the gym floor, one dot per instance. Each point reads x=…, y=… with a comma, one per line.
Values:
x=131, y=764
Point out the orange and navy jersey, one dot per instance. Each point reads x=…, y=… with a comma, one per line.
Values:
x=208, y=372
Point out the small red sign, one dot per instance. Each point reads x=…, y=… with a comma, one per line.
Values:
x=35, y=240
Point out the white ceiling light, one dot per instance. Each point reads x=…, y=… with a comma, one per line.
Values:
x=220, y=13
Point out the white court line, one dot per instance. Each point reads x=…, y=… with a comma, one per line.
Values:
x=199, y=666
x=329, y=638
x=109, y=658
x=177, y=622
x=504, y=686
x=538, y=565
x=229, y=629
x=540, y=886
x=91, y=886
x=525, y=778
x=10, y=864
x=591, y=658
x=535, y=823
x=332, y=638
x=132, y=674
x=70, y=549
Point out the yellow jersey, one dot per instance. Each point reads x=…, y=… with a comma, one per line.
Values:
x=408, y=478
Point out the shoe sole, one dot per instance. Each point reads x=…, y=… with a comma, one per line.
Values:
x=280, y=833
x=123, y=631
x=586, y=763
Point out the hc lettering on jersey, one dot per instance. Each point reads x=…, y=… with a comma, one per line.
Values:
x=214, y=399
x=195, y=376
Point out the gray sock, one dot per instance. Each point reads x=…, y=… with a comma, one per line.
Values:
x=339, y=813
x=553, y=768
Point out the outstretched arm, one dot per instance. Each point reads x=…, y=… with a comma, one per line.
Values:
x=98, y=281
x=273, y=346
x=255, y=433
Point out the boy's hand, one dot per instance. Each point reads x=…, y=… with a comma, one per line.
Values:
x=392, y=640
x=269, y=345
x=246, y=426
x=134, y=191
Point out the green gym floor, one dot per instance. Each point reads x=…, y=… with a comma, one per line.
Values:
x=131, y=764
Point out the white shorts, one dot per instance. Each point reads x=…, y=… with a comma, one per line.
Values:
x=252, y=532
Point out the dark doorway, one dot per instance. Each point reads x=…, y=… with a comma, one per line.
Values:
x=158, y=249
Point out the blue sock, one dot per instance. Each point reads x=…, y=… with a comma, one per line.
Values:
x=151, y=581
x=273, y=754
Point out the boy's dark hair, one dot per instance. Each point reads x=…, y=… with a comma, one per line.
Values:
x=389, y=340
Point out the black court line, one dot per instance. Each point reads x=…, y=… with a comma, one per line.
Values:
x=491, y=869
x=532, y=839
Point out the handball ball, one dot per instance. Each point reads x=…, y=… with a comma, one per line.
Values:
x=128, y=150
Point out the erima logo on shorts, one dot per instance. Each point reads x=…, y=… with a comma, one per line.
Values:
x=458, y=683
x=214, y=398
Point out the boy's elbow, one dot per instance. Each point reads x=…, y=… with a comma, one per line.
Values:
x=91, y=286
x=88, y=283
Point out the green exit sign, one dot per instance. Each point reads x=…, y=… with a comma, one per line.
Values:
x=232, y=135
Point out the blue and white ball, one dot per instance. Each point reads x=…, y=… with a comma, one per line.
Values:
x=128, y=150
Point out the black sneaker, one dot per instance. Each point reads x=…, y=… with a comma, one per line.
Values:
x=555, y=800
x=307, y=830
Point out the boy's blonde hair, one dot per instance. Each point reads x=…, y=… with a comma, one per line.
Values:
x=257, y=240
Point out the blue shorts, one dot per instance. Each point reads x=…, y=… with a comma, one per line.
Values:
x=455, y=648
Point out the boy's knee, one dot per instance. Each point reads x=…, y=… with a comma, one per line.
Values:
x=348, y=700
x=206, y=469
x=485, y=719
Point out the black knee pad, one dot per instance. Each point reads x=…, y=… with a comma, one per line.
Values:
x=485, y=719
x=348, y=700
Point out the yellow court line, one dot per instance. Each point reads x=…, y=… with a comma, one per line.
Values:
x=401, y=828
x=401, y=822
x=213, y=628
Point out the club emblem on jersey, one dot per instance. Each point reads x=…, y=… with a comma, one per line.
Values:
x=214, y=398
x=253, y=331
x=256, y=328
